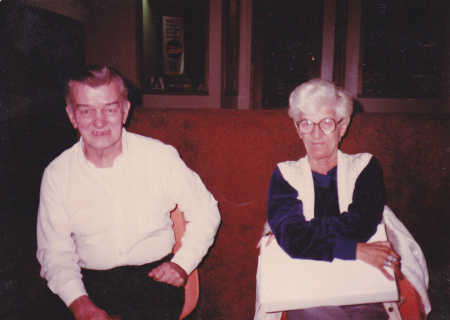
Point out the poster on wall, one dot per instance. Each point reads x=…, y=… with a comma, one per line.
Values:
x=173, y=45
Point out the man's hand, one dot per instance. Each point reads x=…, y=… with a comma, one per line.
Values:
x=170, y=273
x=84, y=309
x=379, y=253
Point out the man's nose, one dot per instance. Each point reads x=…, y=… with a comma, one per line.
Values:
x=100, y=119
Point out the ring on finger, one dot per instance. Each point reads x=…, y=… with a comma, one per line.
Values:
x=391, y=258
x=387, y=263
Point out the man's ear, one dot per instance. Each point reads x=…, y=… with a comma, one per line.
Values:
x=126, y=110
x=69, y=112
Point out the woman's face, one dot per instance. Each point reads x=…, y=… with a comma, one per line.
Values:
x=320, y=145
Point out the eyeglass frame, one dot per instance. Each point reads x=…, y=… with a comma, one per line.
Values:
x=297, y=123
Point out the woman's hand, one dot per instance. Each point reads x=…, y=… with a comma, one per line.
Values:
x=271, y=237
x=380, y=254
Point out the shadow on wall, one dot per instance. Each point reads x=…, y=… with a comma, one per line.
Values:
x=135, y=98
x=357, y=106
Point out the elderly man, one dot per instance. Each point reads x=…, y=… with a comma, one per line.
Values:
x=104, y=230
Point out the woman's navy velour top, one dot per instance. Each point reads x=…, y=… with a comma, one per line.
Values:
x=330, y=234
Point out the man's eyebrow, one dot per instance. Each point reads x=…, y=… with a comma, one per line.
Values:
x=107, y=104
x=112, y=103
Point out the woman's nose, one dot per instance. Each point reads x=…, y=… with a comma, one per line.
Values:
x=317, y=132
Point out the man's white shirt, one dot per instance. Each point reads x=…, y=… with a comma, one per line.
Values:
x=101, y=218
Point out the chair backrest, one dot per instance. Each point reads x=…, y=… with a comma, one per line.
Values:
x=192, y=287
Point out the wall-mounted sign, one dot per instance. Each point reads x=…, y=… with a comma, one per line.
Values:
x=173, y=45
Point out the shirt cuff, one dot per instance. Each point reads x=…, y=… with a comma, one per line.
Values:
x=345, y=249
x=186, y=264
x=71, y=291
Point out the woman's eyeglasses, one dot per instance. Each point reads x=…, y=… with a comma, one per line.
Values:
x=327, y=125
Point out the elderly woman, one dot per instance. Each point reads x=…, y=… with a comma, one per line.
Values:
x=328, y=204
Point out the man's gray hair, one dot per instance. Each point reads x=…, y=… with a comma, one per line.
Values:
x=95, y=76
x=310, y=96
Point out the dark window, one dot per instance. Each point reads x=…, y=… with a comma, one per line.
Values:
x=287, y=47
x=402, y=43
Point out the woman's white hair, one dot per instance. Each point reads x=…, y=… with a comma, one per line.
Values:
x=310, y=96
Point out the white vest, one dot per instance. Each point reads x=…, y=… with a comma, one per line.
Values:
x=298, y=174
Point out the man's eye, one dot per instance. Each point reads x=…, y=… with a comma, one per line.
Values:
x=112, y=109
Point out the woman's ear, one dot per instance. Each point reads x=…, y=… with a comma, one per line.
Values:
x=343, y=126
x=298, y=131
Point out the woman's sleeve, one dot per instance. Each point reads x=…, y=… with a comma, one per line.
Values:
x=365, y=212
x=329, y=237
x=296, y=236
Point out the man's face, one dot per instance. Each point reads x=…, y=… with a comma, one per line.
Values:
x=98, y=114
